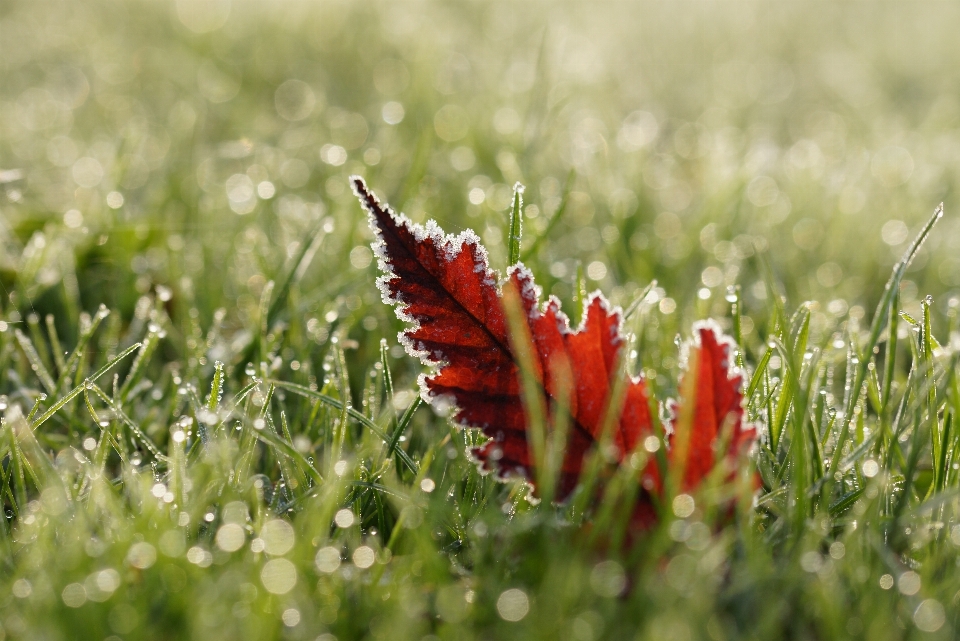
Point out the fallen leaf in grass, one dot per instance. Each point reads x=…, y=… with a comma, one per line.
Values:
x=458, y=314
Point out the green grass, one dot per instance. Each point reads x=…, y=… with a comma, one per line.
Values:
x=209, y=430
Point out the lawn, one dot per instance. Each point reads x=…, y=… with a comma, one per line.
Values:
x=211, y=429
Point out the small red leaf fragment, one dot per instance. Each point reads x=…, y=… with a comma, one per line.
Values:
x=718, y=404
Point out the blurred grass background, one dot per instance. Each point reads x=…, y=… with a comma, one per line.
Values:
x=694, y=133
x=171, y=160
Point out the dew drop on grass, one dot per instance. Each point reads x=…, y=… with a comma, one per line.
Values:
x=278, y=537
x=278, y=576
x=22, y=588
x=107, y=580
x=230, y=537
x=74, y=595
x=811, y=561
x=142, y=555
x=837, y=550
x=608, y=579
x=651, y=444
x=363, y=557
x=199, y=557
x=290, y=617
x=344, y=518
x=929, y=615
x=683, y=505
x=327, y=559
x=513, y=605
x=909, y=583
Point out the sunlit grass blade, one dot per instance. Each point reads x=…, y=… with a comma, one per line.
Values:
x=352, y=413
x=147, y=348
x=35, y=361
x=216, y=387
x=55, y=345
x=72, y=394
x=532, y=392
x=308, y=248
x=516, y=226
x=881, y=319
x=402, y=424
x=579, y=296
x=638, y=300
x=134, y=428
x=554, y=220
x=88, y=327
x=40, y=342
x=294, y=481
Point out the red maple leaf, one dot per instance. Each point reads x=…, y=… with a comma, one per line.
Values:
x=443, y=286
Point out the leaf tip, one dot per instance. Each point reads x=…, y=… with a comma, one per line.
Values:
x=367, y=198
x=359, y=185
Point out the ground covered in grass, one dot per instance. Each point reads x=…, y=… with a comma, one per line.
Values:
x=209, y=427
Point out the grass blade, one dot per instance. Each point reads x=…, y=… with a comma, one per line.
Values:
x=72, y=394
x=352, y=413
x=516, y=226
x=35, y=361
x=557, y=217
